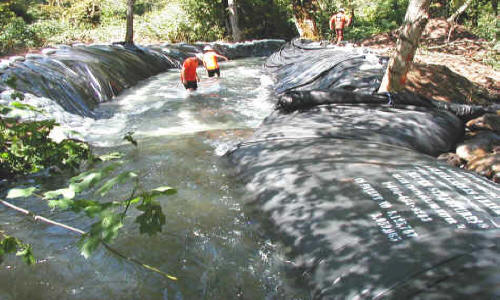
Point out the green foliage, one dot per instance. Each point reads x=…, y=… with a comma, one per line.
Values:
x=9, y=244
x=265, y=19
x=206, y=20
x=152, y=218
x=104, y=230
x=16, y=34
x=25, y=147
x=86, y=12
x=17, y=193
x=42, y=12
x=6, y=14
x=481, y=19
x=144, y=6
x=10, y=9
x=109, y=214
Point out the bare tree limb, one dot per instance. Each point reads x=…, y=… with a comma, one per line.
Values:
x=40, y=218
x=454, y=17
x=459, y=11
x=81, y=232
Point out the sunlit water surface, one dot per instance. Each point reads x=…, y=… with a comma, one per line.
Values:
x=209, y=242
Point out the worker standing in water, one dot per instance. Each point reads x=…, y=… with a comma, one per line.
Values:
x=189, y=76
x=210, y=61
x=338, y=22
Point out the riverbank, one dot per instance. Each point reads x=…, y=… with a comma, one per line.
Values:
x=456, y=71
x=462, y=70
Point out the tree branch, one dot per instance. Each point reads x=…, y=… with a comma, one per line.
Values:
x=459, y=11
x=40, y=218
x=81, y=232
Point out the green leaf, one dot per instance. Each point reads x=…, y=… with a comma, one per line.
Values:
x=128, y=137
x=27, y=254
x=135, y=200
x=10, y=244
x=84, y=177
x=67, y=193
x=24, y=106
x=17, y=193
x=85, y=181
x=88, y=244
x=109, y=227
x=162, y=190
x=79, y=205
x=152, y=220
x=123, y=177
x=110, y=156
x=4, y=109
x=93, y=208
x=63, y=203
x=106, y=229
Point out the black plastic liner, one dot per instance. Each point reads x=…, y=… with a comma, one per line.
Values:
x=423, y=130
x=344, y=178
x=295, y=68
x=371, y=220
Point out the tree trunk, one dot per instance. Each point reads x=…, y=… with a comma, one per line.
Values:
x=304, y=20
x=225, y=13
x=233, y=19
x=129, y=35
x=409, y=36
x=459, y=11
x=454, y=17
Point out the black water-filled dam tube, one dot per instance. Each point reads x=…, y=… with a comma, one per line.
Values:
x=301, y=100
x=346, y=181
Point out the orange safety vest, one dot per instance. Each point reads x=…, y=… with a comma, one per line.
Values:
x=339, y=20
x=189, y=69
x=210, y=60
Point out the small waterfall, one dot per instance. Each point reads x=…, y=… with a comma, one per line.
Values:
x=78, y=78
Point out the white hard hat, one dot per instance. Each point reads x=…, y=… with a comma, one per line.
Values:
x=208, y=48
x=342, y=10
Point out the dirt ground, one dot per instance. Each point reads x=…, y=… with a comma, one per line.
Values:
x=449, y=71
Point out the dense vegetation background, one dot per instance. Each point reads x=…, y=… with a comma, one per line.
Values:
x=28, y=24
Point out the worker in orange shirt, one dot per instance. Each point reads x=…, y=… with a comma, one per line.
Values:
x=189, y=77
x=339, y=21
x=210, y=61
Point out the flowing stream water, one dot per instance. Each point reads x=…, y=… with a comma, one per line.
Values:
x=209, y=241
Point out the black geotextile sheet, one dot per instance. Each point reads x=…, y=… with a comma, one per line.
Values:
x=297, y=68
x=370, y=220
x=348, y=182
x=425, y=130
